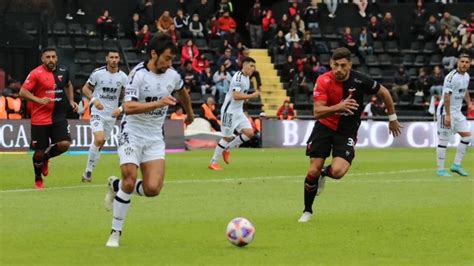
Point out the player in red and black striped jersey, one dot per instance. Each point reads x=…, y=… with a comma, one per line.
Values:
x=338, y=104
x=49, y=88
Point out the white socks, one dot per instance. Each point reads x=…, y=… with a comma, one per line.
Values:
x=121, y=205
x=241, y=138
x=461, y=150
x=94, y=155
x=221, y=146
x=441, y=153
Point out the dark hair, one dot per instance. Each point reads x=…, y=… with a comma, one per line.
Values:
x=112, y=50
x=248, y=60
x=160, y=42
x=48, y=49
x=464, y=55
x=341, y=53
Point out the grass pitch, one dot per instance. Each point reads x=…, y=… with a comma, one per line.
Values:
x=390, y=209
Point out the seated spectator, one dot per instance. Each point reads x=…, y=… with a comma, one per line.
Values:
x=224, y=46
x=284, y=24
x=468, y=41
x=189, y=52
x=200, y=63
x=362, y=6
x=375, y=29
x=226, y=22
x=436, y=80
x=349, y=40
x=374, y=108
x=106, y=26
x=365, y=43
x=228, y=61
x=286, y=112
x=208, y=112
x=292, y=37
x=389, y=27
x=164, y=23
x=174, y=34
x=293, y=10
x=207, y=82
x=242, y=55
x=195, y=27
x=463, y=28
x=298, y=24
x=222, y=80
x=312, y=68
x=401, y=81
x=432, y=29
x=422, y=84
x=225, y=6
x=212, y=27
x=450, y=22
x=181, y=22
x=143, y=39
x=233, y=37
x=190, y=77
x=298, y=54
x=289, y=69
x=134, y=28
x=444, y=40
x=179, y=115
x=307, y=43
x=279, y=44
x=312, y=15
x=450, y=56
x=204, y=10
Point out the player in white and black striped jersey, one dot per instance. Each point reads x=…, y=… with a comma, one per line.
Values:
x=451, y=119
x=104, y=89
x=232, y=114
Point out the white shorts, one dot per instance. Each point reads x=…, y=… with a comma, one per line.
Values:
x=137, y=150
x=232, y=122
x=458, y=124
x=104, y=124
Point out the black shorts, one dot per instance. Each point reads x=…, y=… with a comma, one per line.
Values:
x=324, y=139
x=42, y=136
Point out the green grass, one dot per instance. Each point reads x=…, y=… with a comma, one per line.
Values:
x=390, y=209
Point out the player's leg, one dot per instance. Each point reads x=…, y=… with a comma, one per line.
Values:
x=101, y=130
x=60, y=142
x=227, y=132
x=318, y=149
x=462, y=127
x=443, y=139
x=343, y=153
x=39, y=143
x=153, y=173
x=243, y=126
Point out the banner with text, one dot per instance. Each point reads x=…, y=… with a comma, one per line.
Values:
x=15, y=135
x=295, y=133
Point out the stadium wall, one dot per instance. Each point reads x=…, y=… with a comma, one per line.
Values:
x=15, y=135
x=372, y=134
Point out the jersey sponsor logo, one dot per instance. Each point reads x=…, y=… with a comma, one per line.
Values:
x=60, y=78
x=351, y=91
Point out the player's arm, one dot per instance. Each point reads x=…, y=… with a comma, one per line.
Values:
x=28, y=86
x=322, y=110
x=134, y=107
x=393, y=125
x=467, y=98
x=70, y=96
x=186, y=103
x=238, y=96
x=447, y=108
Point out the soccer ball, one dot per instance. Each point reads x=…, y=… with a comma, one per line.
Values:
x=240, y=232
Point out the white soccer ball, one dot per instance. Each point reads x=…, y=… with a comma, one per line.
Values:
x=240, y=232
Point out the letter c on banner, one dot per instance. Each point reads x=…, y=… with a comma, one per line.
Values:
x=411, y=134
x=376, y=134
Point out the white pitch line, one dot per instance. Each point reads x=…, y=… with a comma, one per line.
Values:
x=260, y=178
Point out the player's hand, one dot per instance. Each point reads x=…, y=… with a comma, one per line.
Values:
x=116, y=113
x=166, y=101
x=349, y=105
x=98, y=105
x=447, y=121
x=395, y=128
x=44, y=100
x=74, y=106
x=189, y=119
x=255, y=94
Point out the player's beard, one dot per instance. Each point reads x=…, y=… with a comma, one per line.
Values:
x=51, y=66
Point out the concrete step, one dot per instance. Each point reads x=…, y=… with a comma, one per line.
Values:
x=258, y=52
x=274, y=100
x=274, y=93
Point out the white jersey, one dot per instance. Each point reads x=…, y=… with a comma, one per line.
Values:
x=240, y=83
x=146, y=86
x=107, y=89
x=456, y=85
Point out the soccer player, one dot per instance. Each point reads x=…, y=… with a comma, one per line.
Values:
x=338, y=104
x=49, y=88
x=103, y=89
x=232, y=114
x=148, y=93
x=450, y=118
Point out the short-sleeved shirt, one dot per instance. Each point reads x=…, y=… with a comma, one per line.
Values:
x=456, y=84
x=42, y=82
x=240, y=83
x=331, y=91
x=144, y=85
x=107, y=88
